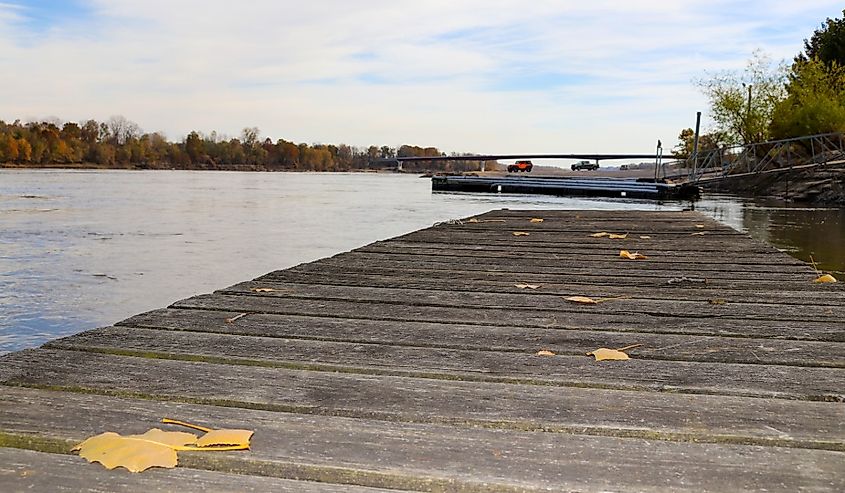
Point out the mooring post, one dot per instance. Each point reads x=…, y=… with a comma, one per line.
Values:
x=695, y=144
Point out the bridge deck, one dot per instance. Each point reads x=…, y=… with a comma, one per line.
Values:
x=410, y=364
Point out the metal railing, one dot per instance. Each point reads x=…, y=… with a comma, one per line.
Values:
x=767, y=156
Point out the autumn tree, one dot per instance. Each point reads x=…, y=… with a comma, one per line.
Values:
x=742, y=102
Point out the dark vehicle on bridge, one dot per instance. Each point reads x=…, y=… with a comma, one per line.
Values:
x=585, y=165
x=518, y=166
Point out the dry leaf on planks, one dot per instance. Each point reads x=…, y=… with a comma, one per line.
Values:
x=157, y=448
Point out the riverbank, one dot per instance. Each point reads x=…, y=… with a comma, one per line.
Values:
x=816, y=186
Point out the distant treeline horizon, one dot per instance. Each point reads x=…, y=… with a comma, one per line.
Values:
x=121, y=144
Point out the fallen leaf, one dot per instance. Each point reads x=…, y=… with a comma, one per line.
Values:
x=632, y=256
x=473, y=220
x=158, y=448
x=600, y=235
x=700, y=233
x=602, y=354
x=545, y=352
x=136, y=453
x=717, y=301
x=645, y=237
x=582, y=299
x=825, y=279
x=536, y=219
x=262, y=290
x=614, y=236
x=520, y=233
x=227, y=437
x=699, y=225
x=527, y=286
x=232, y=319
x=590, y=301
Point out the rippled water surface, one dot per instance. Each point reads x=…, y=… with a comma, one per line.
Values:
x=82, y=249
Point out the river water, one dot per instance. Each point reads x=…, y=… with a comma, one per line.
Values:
x=83, y=249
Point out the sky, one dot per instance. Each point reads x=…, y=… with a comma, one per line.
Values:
x=483, y=76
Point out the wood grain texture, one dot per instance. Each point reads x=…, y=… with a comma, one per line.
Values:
x=411, y=364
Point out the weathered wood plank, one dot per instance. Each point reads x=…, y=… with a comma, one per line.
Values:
x=514, y=339
x=535, y=299
x=26, y=470
x=683, y=242
x=803, y=294
x=476, y=402
x=572, y=253
x=610, y=261
x=580, y=317
x=712, y=288
x=618, y=268
x=432, y=457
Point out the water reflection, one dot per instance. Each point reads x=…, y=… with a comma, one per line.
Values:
x=803, y=231
x=81, y=249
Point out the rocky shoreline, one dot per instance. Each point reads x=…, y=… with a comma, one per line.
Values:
x=817, y=186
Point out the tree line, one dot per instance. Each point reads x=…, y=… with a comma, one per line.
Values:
x=769, y=101
x=120, y=143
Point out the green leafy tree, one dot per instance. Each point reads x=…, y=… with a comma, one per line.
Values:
x=742, y=103
x=815, y=103
x=827, y=44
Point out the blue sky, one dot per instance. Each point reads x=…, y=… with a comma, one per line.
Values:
x=499, y=76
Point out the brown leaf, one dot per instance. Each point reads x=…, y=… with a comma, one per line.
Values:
x=582, y=299
x=536, y=219
x=527, y=286
x=717, y=301
x=631, y=256
x=825, y=279
x=614, y=236
x=600, y=235
x=545, y=352
x=520, y=233
x=602, y=354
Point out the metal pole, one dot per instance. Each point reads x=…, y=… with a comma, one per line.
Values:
x=695, y=143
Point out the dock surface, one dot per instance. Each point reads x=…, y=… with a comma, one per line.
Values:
x=411, y=364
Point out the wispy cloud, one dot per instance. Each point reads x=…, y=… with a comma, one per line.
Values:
x=484, y=76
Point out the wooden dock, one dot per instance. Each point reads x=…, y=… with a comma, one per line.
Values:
x=411, y=364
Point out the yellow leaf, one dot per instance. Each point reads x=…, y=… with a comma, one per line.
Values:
x=545, y=352
x=614, y=236
x=700, y=233
x=600, y=235
x=632, y=256
x=473, y=220
x=262, y=290
x=135, y=452
x=602, y=354
x=235, y=438
x=536, y=219
x=520, y=233
x=699, y=226
x=527, y=286
x=645, y=237
x=717, y=301
x=825, y=279
x=582, y=299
